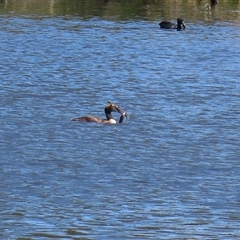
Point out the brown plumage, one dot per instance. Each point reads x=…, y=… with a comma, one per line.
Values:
x=111, y=107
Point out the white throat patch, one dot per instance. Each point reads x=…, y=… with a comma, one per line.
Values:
x=112, y=121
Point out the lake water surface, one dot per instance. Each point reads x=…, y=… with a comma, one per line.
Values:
x=170, y=172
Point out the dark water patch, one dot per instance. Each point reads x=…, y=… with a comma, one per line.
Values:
x=18, y=213
x=49, y=235
x=22, y=238
x=75, y=232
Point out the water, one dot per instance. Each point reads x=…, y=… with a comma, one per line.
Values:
x=170, y=172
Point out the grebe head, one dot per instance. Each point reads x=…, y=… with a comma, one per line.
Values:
x=115, y=108
x=180, y=24
x=112, y=107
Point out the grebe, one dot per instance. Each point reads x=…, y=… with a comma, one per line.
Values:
x=168, y=25
x=111, y=107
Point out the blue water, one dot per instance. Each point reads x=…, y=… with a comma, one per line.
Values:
x=170, y=172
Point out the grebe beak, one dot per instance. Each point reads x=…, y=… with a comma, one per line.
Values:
x=122, y=112
x=116, y=108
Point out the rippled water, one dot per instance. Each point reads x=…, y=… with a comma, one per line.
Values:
x=170, y=172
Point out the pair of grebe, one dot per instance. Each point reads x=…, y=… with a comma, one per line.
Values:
x=111, y=107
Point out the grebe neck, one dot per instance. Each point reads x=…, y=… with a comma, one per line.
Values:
x=108, y=115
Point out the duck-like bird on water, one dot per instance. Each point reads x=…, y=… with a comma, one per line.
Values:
x=111, y=107
x=168, y=25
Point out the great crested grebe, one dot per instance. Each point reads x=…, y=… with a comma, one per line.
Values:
x=111, y=107
x=168, y=25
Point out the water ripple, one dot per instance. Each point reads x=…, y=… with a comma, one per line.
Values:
x=171, y=171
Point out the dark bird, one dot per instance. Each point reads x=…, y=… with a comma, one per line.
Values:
x=168, y=25
x=213, y=2
x=111, y=107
